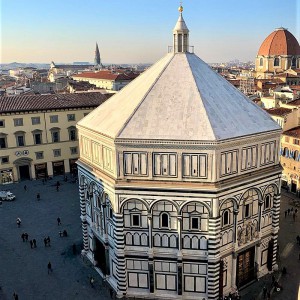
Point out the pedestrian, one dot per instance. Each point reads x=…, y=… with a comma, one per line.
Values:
x=265, y=292
x=292, y=209
x=38, y=196
x=273, y=280
x=25, y=188
x=15, y=295
x=296, y=210
x=18, y=222
x=34, y=243
x=294, y=217
x=26, y=236
x=23, y=237
x=31, y=244
x=48, y=241
x=92, y=280
x=58, y=221
x=65, y=233
x=57, y=183
x=49, y=268
x=66, y=178
x=289, y=211
x=45, y=242
x=285, y=213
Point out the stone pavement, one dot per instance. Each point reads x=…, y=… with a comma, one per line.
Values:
x=24, y=270
x=289, y=257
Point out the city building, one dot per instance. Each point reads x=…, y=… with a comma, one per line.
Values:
x=38, y=137
x=60, y=71
x=290, y=159
x=107, y=79
x=179, y=182
x=279, y=52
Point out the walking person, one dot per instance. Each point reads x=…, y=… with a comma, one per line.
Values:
x=34, y=243
x=23, y=236
x=58, y=221
x=26, y=236
x=38, y=196
x=18, y=222
x=15, y=295
x=25, y=188
x=265, y=292
x=92, y=280
x=48, y=241
x=31, y=244
x=50, y=270
x=289, y=211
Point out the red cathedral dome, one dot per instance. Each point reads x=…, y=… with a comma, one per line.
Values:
x=280, y=42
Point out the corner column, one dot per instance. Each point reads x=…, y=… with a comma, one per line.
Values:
x=84, y=223
x=120, y=254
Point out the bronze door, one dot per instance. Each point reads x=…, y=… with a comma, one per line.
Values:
x=245, y=267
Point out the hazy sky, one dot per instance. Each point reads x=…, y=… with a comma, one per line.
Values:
x=138, y=31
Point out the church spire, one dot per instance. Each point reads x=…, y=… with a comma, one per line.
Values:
x=97, y=60
x=180, y=34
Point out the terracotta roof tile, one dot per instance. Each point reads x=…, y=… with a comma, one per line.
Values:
x=294, y=132
x=280, y=42
x=107, y=75
x=54, y=101
x=280, y=112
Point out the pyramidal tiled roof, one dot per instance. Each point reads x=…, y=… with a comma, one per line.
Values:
x=179, y=98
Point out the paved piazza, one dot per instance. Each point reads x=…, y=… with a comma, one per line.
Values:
x=24, y=270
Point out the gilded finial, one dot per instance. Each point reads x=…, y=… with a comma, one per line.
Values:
x=180, y=8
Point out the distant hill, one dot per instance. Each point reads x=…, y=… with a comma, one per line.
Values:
x=15, y=65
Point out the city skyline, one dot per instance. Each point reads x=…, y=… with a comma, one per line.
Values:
x=138, y=31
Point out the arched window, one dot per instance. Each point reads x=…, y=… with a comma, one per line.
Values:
x=225, y=217
x=164, y=220
x=276, y=62
x=261, y=62
x=294, y=62
x=268, y=201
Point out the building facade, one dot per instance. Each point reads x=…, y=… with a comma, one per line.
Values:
x=38, y=136
x=179, y=194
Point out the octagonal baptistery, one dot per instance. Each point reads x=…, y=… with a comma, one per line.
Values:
x=279, y=52
x=179, y=183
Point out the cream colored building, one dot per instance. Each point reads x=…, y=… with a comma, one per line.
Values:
x=179, y=193
x=38, y=136
x=107, y=79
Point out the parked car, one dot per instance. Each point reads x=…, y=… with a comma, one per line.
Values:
x=7, y=196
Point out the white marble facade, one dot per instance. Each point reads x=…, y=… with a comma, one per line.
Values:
x=175, y=218
x=173, y=232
